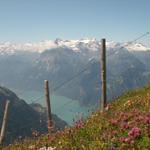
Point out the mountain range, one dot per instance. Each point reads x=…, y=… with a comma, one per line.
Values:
x=76, y=45
x=26, y=66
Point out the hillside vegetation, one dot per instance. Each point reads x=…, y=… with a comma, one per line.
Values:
x=124, y=125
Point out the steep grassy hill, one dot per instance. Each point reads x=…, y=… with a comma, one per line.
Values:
x=124, y=125
x=23, y=119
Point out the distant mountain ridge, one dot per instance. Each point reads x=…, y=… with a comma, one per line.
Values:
x=76, y=45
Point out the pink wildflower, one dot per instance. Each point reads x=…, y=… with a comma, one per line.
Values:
x=146, y=120
x=79, y=124
x=114, y=122
x=125, y=125
x=134, y=132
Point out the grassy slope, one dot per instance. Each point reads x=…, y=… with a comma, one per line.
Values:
x=124, y=125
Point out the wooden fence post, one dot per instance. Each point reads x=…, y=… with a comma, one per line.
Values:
x=4, y=123
x=103, y=102
x=49, y=115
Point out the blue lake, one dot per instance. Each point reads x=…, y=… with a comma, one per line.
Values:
x=65, y=108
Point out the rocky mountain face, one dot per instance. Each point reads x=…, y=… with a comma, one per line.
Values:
x=27, y=66
x=23, y=119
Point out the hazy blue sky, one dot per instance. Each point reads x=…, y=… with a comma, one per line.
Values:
x=35, y=20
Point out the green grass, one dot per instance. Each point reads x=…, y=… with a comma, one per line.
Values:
x=124, y=125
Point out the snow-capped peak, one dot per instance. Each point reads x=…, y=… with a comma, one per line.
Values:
x=76, y=45
x=136, y=47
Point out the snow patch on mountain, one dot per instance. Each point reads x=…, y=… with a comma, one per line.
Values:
x=136, y=47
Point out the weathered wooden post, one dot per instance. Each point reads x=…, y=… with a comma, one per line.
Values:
x=49, y=115
x=103, y=102
x=4, y=123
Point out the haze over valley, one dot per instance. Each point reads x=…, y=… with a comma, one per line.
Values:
x=24, y=67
